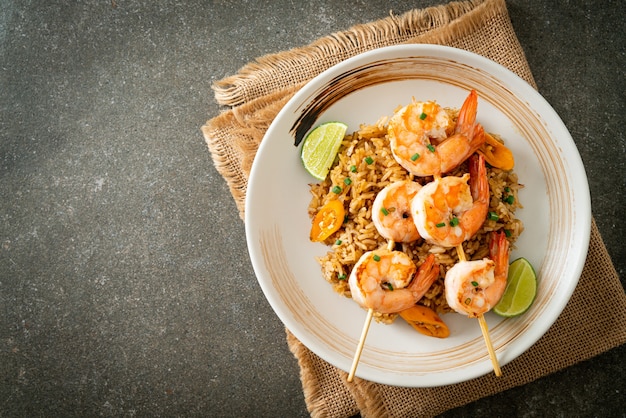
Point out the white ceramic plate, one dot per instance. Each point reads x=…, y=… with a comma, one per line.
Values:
x=556, y=213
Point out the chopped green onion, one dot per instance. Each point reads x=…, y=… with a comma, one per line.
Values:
x=353, y=168
x=341, y=276
x=510, y=199
x=384, y=211
x=423, y=116
x=376, y=257
x=508, y=233
x=347, y=181
x=507, y=189
x=336, y=189
x=474, y=284
x=454, y=221
x=440, y=225
x=389, y=286
x=415, y=156
x=430, y=147
x=493, y=216
x=338, y=242
x=369, y=160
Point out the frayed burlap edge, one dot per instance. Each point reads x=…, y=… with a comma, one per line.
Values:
x=290, y=68
x=235, y=135
x=490, y=23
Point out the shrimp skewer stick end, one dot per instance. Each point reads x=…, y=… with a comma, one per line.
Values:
x=492, y=354
x=359, y=348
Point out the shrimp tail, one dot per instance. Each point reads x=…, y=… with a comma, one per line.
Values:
x=468, y=136
x=426, y=275
x=479, y=184
x=499, y=253
x=466, y=123
x=477, y=139
x=467, y=115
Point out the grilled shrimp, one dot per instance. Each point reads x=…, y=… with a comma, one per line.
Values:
x=391, y=211
x=448, y=211
x=382, y=280
x=425, y=142
x=472, y=288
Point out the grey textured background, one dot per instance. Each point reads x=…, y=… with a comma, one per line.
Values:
x=125, y=283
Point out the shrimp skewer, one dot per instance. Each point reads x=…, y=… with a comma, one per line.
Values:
x=372, y=282
x=472, y=288
x=424, y=142
x=448, y=210
x=391, y=211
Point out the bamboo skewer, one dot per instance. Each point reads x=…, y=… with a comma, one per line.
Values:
x=366, y=327
x=359, y=348
x=460, y=252
x=492, y=354
x=483, y=325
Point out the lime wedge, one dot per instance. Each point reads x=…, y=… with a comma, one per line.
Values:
x=320, y=148
x=521, y=289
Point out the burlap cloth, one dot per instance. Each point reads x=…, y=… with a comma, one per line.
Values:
x=592, y=322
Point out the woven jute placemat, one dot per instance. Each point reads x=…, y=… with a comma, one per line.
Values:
x=591, y=323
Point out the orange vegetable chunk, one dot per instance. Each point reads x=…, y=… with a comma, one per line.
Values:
x=327, y=221
x=496, y=153
x=425, y=321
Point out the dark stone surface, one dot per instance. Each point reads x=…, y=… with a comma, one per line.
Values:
x=125, y=283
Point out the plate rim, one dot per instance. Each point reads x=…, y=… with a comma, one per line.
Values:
x=491, y=67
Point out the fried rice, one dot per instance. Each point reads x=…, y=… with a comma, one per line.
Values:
x=364, y=165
